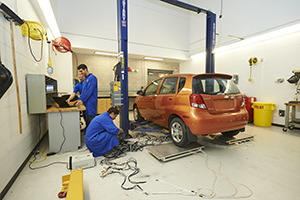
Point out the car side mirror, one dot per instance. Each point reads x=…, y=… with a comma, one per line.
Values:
x=139, y=92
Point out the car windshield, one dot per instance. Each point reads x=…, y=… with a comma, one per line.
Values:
x=214, y=86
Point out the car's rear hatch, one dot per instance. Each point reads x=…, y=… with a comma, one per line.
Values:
x=219, y=93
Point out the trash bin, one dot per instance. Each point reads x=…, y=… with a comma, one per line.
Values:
x=263, y=112
x=248, y=103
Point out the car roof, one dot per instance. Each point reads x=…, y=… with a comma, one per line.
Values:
x=204, y=75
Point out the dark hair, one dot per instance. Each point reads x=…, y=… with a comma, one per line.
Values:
x=113, y=110
x=82, y=66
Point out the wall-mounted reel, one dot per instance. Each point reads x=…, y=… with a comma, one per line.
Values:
x=252, y=61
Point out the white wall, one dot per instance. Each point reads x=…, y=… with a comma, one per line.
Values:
x=280, y=57
x=240, y=18
x=64, y=72
x=15, y=147
x=154, y=28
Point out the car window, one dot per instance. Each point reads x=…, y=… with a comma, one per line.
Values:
x=169, y=86
x=214, y=86
x=151, y=89
x=181, y=84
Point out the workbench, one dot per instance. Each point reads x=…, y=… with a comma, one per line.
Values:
x=64, y=127
x=293, y=122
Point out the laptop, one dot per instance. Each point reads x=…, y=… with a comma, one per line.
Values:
x=62, y=102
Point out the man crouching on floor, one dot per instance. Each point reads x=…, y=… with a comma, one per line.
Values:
x=101, y=134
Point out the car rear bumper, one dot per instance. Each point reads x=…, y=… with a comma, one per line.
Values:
x=201, y=123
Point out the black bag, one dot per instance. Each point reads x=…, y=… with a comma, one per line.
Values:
x=5, y=79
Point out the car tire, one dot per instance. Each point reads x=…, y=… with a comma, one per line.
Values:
x=230, y=133
x=178, y=132
x=136, y=115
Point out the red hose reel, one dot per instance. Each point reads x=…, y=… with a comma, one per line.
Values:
x=62, y=44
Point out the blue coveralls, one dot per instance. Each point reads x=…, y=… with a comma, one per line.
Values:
x=89, y=96
x=101, y=135
x=78, y=88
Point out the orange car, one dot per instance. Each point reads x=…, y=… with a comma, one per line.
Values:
x=190, y=105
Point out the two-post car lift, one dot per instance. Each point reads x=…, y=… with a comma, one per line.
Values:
x=168, y=151
x=123, y=48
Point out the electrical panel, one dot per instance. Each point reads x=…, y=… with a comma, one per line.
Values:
x=116, y=94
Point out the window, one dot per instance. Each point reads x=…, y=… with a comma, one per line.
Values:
x=214, y=86
x=181, y=84
x=169, y=86
x=151, y=89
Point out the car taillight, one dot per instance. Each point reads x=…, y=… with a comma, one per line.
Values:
x=197, y=101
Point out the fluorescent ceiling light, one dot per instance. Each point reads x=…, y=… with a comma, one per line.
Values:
x=104, y=53
x=253, y=40
x=49, y=16
x=151, y=58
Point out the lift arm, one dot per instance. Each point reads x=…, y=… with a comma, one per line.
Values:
x=210, y=31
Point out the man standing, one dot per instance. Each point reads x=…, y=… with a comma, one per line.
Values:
x=101, y=134
x=77, y=88
x=89, y=96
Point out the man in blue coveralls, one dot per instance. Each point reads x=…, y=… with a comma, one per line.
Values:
x=77, y=88
x=89, y=95
x=101, y=134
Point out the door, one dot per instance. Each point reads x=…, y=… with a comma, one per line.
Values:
x=165, y=100
x=146, y=102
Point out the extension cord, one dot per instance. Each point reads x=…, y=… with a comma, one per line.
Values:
x=36, y=29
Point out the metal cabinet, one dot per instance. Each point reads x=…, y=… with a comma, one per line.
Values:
x=39, y=89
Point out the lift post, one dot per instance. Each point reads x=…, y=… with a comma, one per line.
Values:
x=123, y=59
x=210, y=32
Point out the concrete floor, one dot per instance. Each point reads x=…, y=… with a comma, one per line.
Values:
x=265, y=168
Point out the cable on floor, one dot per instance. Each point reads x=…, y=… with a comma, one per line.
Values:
x=40, y=167
x=131, y=164
x=121, y=149
x=33, y=159
x=42, y=153
x=212, y=193
x=125, y=166
x=119, y=168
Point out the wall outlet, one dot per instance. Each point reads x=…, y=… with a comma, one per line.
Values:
x=281, y=113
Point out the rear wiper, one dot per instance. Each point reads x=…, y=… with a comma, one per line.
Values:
x=220, y=93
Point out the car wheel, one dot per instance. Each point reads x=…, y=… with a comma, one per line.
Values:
x=136, y=115
x=178, y=132
x=230, y=133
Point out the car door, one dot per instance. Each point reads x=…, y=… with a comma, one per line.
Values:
x=165, y=100
x=146, y=102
